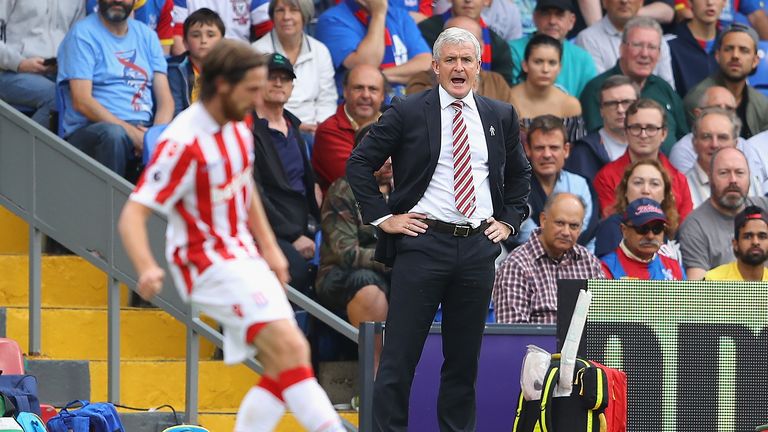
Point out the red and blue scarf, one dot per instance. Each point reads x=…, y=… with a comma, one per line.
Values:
x=389, y=50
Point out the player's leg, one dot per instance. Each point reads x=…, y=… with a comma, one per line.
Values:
x=263, y=406
x=283, y=350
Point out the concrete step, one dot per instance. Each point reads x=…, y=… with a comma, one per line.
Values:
x=61, y=381
x=149, y=384
x=81, y=334
x=339, y=379
x=220, y=422
x=15, y=233
x=66, y=281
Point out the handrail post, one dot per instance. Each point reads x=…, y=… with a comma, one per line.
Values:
x=35, y=290
x=113, y=340
x=366, y=348
x=193, y=368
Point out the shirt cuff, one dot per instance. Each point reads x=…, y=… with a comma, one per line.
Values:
x=380, y=220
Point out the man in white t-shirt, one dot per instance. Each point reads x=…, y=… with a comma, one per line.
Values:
x=201, y=178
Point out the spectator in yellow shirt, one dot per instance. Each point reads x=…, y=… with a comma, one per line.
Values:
x=750, y=246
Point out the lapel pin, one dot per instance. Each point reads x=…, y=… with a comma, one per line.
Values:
x=492, y=131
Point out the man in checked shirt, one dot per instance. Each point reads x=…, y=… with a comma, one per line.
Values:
x=525, y=289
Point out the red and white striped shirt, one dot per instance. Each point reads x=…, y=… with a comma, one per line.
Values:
x=199, y=178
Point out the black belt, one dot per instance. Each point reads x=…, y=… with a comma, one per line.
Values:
x=454, y=229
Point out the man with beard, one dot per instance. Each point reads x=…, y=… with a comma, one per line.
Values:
x=705, y=237
x=750, y=246
x=114, y=80
x=736, y=54
x=221, y=249
x=525, y=288
x=642, y=227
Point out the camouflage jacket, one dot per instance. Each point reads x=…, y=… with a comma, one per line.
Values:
x=347, y=242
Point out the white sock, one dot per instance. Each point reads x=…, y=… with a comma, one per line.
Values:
x=308, y=401
x=259, y=411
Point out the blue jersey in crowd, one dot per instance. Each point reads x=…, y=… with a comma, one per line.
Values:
x=120, y=68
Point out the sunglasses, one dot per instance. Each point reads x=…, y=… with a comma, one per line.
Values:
x=645, y=229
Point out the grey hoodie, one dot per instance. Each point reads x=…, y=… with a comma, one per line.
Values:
x=34, y=28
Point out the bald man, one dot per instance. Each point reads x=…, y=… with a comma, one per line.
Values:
x=683, y=155
x=706, y=234
x=490, y=84
x=525, y=287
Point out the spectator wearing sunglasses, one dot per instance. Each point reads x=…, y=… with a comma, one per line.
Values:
x=646, y=128
x=643, y=226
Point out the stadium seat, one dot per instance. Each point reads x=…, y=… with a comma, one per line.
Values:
x=150, y=141
x=12, y=363
x=11, y=359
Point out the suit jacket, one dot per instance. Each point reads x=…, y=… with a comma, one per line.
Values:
x=288, y=211
x=409, y=132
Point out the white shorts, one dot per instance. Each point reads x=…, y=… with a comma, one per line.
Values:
x=239, y=293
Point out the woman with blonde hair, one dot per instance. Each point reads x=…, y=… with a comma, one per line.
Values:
x=642, y=179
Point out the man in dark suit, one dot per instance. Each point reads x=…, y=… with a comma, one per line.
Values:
x=461, y=185
x=283, y=173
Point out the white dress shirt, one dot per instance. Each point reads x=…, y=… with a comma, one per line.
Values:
x=438, y=201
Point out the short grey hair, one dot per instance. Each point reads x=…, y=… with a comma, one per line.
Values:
x=455, y=36
x=642, y=22
x=307, y=8
x=730, y=115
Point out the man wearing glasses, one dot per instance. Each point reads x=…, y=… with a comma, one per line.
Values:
x=639, y=53
x=607, y=144
x=646, y=128
x=642, y=227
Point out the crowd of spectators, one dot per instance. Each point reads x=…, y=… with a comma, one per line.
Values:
x=647, y=137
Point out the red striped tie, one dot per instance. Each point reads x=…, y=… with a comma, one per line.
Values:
x=463, y=182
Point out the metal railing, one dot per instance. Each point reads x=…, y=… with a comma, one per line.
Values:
x=71, y=198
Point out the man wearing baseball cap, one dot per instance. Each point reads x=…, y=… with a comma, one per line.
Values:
x=283, y=172
x=737, y=57
x=750, y=246
x=556, y=18
x=643, y=227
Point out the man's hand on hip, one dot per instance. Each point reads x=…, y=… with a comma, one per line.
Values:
x=411, y=224
x=497, y=231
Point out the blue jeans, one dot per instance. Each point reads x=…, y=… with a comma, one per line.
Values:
x=108, y=143
x=37, y=92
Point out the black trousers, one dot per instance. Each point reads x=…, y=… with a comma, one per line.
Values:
x=431, y=269
x=298, y=267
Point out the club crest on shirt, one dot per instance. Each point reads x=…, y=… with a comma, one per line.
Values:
x=135, y=77
x=240, y=9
